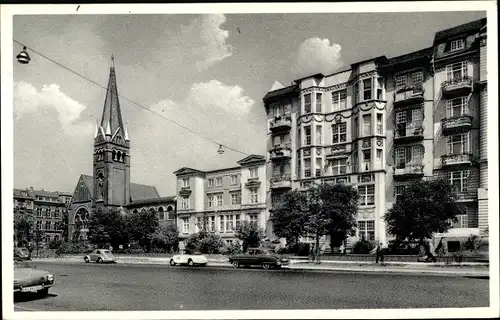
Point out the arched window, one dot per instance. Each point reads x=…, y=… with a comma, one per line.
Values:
x=114, y=155
x=170, y=210
x=161, y=214
x=135, y=211
x=143, y=210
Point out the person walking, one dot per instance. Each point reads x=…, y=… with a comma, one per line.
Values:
x=379, y=252
x=312, y=253
x=430, y=254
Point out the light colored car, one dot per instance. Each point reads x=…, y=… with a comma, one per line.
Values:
x=190, y=259
x=29, y=279
x=100, y=256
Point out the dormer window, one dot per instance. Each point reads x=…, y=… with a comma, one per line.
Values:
x=457, y=44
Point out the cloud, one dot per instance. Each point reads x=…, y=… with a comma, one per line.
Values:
x=28, y=100
x=317, y=55
x=206, y=40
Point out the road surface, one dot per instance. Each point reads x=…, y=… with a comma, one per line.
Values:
x=120, y=287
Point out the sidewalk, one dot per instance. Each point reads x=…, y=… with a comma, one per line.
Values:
x=452, y=269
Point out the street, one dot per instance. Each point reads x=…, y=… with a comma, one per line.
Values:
x=120, y=287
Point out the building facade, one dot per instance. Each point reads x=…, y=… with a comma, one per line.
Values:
x=46, y=208
x=110, y=188
x=385, y=122
x=220, y=199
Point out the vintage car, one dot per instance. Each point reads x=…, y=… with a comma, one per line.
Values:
x=190, y=259
x=100, y=256
x=259, y=257
x=29, y=279
x=22, y=253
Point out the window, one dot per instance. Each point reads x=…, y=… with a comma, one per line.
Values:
x=211, y=223
x=185, y=225
x=456, y=71
x=339, y=132
x=355, y=130
x=367, y=157
x=281, y=109
x=456, y=107
x=253, y=220
x=235, y=198
x=39, y=225
x=398, y=192
x=215, y=200
x=48, y=225
x=356, y=92
x=253, y=173
x=379, y=123
x=161, y=214
x=380, y=88
x=319, y=166
x=367, y=125
x=417, y=77
x=339, y=100
x=234, y=179
x=185, y=182
x=409, y=156
x=229, y=219
x=366, y=194
x=319, y=137
x=459, y=180
x=218, y=182
x=307, y=168
x=458, y=144
x=457, y=44
x=367, y=89
x=222, y=223
x=211, y=200
x=366, y=230
x=355, y=163
x=307, y=103
x=210, y=182
x=319, y=96
x=463, y=221
x=307, y=133
x=408, y=121
x=219, y=201
x=48, y=212
x=379, y=154
x=279, y=140
x=339, y=166
x=185, y=203
x=254, y=195
x=400, y=81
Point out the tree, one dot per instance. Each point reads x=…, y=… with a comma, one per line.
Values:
x=107, y=227
x=166, y=237
x=288, y=216
x=425, y=207
x=23, y=224
x=63, y=225
x=249, y=234
x=141, y=226
x=204, y=242
x=38, y=236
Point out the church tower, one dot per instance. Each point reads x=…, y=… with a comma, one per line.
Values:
x=111, y=152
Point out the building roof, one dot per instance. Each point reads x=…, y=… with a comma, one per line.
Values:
x=161, y=200
x=142, y=192
x=251, y=159
x=279, y=92
x=465, y=28
x=186, y=170
x=111, y=115
x=29, y=194
x=420, y=54
x=89, y=183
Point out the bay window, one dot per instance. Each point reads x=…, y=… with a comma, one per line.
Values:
x=307, y=168
x=379, y=123
x=319, y=96
x=319, y=135
x=367, y=125
x=319, y=166
x=307, y=103
x=307, y=134
x=339, y=132
x=367, y=89
x=339, y=99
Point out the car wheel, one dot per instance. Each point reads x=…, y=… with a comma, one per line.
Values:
x=190, y=263
x=172, y=262
x=236, y=264
x=99, y=260
x=266, y=265
x=86, y=259
x=43, y=293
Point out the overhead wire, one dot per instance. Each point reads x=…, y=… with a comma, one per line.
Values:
x=131, y=101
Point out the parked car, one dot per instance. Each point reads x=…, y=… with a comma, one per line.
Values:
x=22, y=253
x=28, y=279
x=189, y=259
x=100, y=256
x=259, y=257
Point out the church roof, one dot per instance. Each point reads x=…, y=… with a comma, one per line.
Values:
x=161, y=200
x=142, y=192
x=111, y=115
x=89, y=183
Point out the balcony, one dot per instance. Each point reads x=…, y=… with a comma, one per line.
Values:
x=281, y=182
x=343, y=150
x=466, y=196
x=252, y=182
x=409, y=171
x=456, y=124
x=185, y=191
x=409, y=134
x=409, y=95
x=281, y=124
x=281, y=152
x=457, y=87
x=463, y=159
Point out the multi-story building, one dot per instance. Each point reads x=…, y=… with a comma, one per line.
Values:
x=219, y=200
x=46, y=208
x=384, y=122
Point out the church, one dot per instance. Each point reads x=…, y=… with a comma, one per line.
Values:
x=109, y=186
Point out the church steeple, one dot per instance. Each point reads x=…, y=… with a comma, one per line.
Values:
x=112, y=116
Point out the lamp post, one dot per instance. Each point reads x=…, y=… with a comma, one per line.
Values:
x=23, y=57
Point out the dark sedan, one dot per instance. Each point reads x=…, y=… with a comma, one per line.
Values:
x=259, y=257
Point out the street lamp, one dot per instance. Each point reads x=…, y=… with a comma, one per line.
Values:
x=23, y=57
x=221, y=149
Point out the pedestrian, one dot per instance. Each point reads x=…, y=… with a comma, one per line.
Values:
x=380, y=251
x=430, y=254
x=312, y=253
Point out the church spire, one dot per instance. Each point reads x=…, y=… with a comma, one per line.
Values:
x=111, y=115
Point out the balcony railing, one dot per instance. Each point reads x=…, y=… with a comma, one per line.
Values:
x=456, y=124
x=185, y=191
x=281, y=152
x=281, y=123
x=409, y=95
x=409, y=133
x=281, y=181
x=466, y=196
x=457, y=87
x=456, y=159
x=410, y=170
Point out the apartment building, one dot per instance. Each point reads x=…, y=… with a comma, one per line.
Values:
x=219, y=200
x=46, y=208
x=384, y=122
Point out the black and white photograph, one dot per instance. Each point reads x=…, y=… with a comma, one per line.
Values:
x=246, y=161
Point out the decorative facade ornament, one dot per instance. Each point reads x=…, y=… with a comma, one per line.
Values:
x=367, y=143
x=379, y=142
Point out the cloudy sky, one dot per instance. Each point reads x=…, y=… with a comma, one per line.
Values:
x=206, y=72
